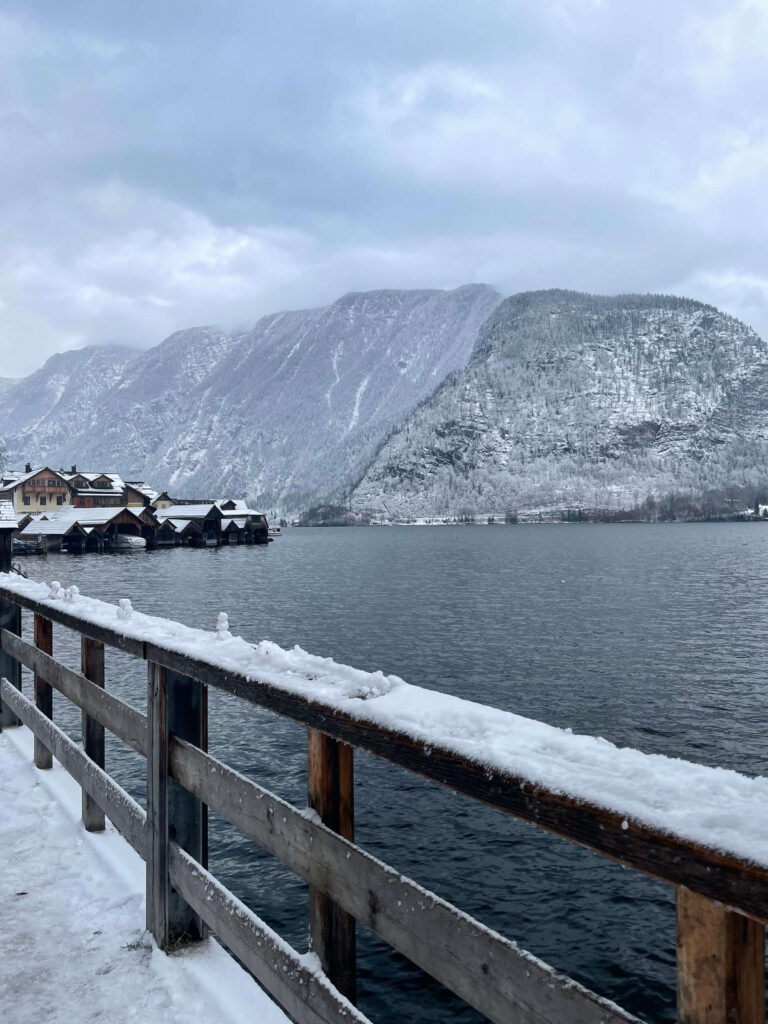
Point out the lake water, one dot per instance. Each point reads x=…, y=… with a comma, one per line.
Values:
x=655, y=636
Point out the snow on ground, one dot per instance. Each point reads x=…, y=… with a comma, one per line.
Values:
x=73, y=949
x=714, y=807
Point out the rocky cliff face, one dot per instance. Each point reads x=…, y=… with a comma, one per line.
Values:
x=583, y=401
x=288, y=413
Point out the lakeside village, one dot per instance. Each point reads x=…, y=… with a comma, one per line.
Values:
x=82, y=512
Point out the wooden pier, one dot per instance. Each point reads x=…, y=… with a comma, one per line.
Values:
x=722, y=900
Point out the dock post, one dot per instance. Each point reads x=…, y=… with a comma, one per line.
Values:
x=720, y=963
x=92, y=665
x=43, y=629
x=10, y=669
x=176, y=705
x=331, y=793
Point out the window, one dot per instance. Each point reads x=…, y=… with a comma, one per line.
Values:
x=51, y=483
x=59, y=499
x=43, y=499
x=27, y=499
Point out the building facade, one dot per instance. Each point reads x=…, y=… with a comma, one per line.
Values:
x=41, y=490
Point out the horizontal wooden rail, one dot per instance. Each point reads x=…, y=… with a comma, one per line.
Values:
x=737, y=884
x=122, y=810
x=120, y=718
x=305, y=995
x=486, y=970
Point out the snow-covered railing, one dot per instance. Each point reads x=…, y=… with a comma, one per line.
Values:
x=703, y=830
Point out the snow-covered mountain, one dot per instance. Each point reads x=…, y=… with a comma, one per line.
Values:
x=287, y=412
x=65, y=398
x=574, y=400
x=418, y=403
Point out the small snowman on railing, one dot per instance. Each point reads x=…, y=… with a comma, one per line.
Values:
x=124, y=609
x=222, y=627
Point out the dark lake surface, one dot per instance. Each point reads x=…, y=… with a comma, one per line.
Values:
x=654, y=636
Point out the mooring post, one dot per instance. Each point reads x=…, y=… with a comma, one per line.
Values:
x=176, y=705
x=331, y=793
x=720, y=963
x=10, y=669
x=92, y=664
x=43, y=630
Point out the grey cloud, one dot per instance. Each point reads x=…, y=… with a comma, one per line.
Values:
x=166, y=164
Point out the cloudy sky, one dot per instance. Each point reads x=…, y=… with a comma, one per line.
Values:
x=174, y=162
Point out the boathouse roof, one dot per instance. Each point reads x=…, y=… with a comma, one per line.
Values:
x=58, y=523
x=189, y=511
x=181, y=524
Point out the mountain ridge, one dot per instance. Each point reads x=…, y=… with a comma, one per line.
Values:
x=577, y=400
x=283, y=411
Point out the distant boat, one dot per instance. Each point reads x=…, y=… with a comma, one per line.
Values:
x=127, y=542
x=275, y=531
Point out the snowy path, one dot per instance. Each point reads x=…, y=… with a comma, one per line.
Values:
x=72, y=942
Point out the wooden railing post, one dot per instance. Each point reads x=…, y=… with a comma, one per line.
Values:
x=92, y=665
x=43, y=629
x=178, y=705
x=331, y=794
x=720, y=964
x=10, y=669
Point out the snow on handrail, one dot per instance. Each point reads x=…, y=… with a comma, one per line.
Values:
x=715, y=808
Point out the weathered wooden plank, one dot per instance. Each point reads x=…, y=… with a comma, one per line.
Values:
x=176, y=703
x=10, y=669
x=43, y=631
x=331, y=793
x=307, y=997
x=488, y=971
x=126, y=815
x=92, y=663
x=120, y=718
x=739, y=885
x=157, y=806
x=720, y=964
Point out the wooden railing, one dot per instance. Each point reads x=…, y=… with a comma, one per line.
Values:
x=722, y=901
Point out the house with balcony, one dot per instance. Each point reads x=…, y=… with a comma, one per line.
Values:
x=35, y=491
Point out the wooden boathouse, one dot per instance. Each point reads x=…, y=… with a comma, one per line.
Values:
x=84, y=528
x=722, y=898
x=78, y=530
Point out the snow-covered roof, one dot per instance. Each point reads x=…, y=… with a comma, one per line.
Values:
x=144, y=489
x=117, y=481
x=35, y=472
x=47, y=528
x=68, y=516
x=232, y=512
x=180, y=524
x=239, y=523
x=239, y=503
x=187, y=511
x=8, y=518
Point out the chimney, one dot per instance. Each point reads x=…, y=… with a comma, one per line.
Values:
x=74, y=469
x=28, y=468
